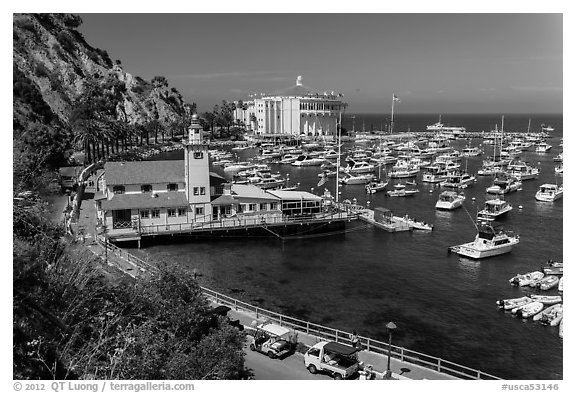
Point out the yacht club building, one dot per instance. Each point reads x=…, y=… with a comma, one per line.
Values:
x=152, y=198
x=296, y=110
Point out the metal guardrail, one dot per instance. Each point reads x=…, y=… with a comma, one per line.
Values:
x=323, y=332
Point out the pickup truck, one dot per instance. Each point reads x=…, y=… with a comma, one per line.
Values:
x=272, y=340
x=336, y=359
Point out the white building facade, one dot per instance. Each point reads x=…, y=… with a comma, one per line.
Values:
x=297, y=110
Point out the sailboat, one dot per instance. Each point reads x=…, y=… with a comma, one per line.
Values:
x=376, y=185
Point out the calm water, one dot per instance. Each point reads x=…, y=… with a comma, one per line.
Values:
x=443, y=305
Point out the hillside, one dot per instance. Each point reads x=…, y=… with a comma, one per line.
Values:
x=71, y=96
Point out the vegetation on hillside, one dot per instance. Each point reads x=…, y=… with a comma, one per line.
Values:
x=71, y=322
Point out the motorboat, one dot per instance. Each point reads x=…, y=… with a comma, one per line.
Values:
x=522, y=171
x=509, y=304
x=490, y=241
x=358, y=167
x=523, y=280
x=401, y=191
x=559, y=157
x=528, y=310
x=403, y=172
x=269, y=183
x=542, y=147
x=375, y=186
x=504, y=184
x=470, y=151
x=553, y=271
x=357, y=179
x=449, y=200
x=547, y=283
x=330, y=154
x=237, y=167
x=559, y=169
x=458, y=179
x=561, y=285
x=493, y=209
x=546, y=128
x=434, y=174
x=546, y=299
x=489, y=170
x=307, y=160
x=288, y=158
x=549, y=314
x=420, y=225
x=549, y=192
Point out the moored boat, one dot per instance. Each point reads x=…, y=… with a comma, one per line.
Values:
x=526, y=279
x=400, y=190
x=549, y=192
x=493, y=209
x=547, y=300
x=553, y=271
x=375, y=186
x=504, y=184
x=528, y=310
x=357, y=179
x=509, y=304
x=449, y=200
x=548, y=282
x=490, y=241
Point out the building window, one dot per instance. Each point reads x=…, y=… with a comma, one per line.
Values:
x=181, y=211
x=144, y=213
x=155, y=213
x=171, y=212
x=196, y=190
x=251, y=207
x=146, y=188
x=198, y=155
x=118, y=190
x=202, y=190
x=262, y=206
x=199, y=211
x=172, y=187
x=274, y=206
x=228, y=210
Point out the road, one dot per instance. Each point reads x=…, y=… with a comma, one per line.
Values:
x=289, y=368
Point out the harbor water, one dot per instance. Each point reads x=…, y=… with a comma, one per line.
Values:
x=444, y=305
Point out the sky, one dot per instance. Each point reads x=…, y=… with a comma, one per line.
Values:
x=435, y=63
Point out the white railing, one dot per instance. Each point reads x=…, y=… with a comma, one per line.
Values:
x=323, y=332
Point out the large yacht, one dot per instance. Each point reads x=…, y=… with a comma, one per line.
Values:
x=549, y=192
x=449, y=200
x=494, y=209
x=490, y=241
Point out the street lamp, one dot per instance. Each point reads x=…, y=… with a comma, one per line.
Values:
x=390, y=326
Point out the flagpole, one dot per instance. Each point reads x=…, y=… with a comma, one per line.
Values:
x=338, y=158
x=392, y=120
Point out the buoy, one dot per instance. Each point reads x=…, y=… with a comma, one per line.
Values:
x=473, y=198
x=519, y=206
x=430, y=191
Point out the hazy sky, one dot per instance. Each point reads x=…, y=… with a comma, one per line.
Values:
x=435, y=63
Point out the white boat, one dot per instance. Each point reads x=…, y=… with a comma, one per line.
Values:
x=509, y=304
x=548, y=282
x=549, y=192
x=470, y=151
x=543, y=147
x=522, y=171
x=449, y=200
x=434, y=174
x=306, y=160
x=375, y=186
x=329, y=154
x=526, y=279
x=403, y=172
x=548, y=314
x=490, y=241
x=357, y=179
x=237, y=167
x=559, y=169
x=458, y=179
x=401, y=191
x=288, y=158
x=504, y=184
x=561, y=285
x=493, y=209
x=546, y=128
x=269, y=183
x=420, y=225
x=489, y=170
x=561, y=329
x=358, y=167
x=559, y=157
x=528, y=310
x=451, y=132
x=547, y=300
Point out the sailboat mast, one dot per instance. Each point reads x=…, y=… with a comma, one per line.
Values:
x=392, y=118
x=338, y=158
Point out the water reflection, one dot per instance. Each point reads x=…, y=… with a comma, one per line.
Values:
x=470, y=268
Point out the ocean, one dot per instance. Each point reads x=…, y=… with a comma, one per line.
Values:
x=444, y=305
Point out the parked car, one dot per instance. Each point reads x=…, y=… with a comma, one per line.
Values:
x=336, y=359
x=223, y=311
x=272, y=340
